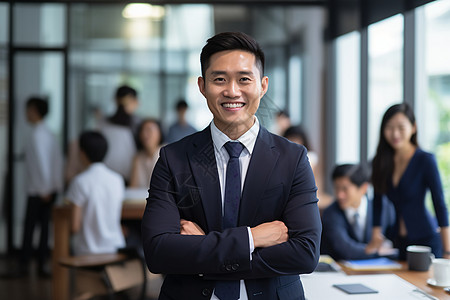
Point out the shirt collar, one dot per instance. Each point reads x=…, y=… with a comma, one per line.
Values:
x=248, y=139
x=361, y=210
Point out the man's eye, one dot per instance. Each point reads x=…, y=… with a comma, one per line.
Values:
x=219, y=79
x=245, y=79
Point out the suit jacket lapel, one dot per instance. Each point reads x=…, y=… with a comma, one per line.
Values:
x=203, y=165
x=257, y=177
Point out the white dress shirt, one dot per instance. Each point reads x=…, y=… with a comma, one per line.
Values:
x=43, y=162
x=248, y=139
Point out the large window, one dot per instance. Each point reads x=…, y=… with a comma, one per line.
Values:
x=348, y=98
x=433, y=80
x=385, y=86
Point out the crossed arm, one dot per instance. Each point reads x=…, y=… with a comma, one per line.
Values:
x=264, y=235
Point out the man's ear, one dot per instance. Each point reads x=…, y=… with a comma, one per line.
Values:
x=201, y=85
x=364, y=187
x=264, y=85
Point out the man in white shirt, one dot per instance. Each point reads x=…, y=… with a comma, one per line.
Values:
x=96, y=196
x=43, y=169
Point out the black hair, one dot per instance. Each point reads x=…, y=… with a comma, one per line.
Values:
x=94, y=145
x=283, y=113
x=121, y=117
x=299, y=132
x=383, y=162
x=125, y=90
x=40, y=104
x=358, y=174
x=181, y=104
x=231, y=41
x=141, y=126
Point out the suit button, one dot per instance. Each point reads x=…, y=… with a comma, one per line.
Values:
x=206, y=292
x=234, y=267
x=228, y=267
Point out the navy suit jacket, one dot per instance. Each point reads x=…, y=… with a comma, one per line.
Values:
x=279, y=185
x=338, y=238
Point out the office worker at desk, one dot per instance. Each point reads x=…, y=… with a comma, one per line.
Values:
x=347, y=222
x=405, y=173
x=193, y=229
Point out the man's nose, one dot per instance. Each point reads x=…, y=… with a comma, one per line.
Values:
x=232, y=90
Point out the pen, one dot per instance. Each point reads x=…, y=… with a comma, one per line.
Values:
x=425, y=294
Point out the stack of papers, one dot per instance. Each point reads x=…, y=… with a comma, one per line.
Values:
x=381, y=263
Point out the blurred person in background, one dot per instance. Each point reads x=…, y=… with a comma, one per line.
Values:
x=347, y=223
x=150, y=139
x=95, y=196
x=120, y=130
x=404, y=173
x=43, y=170
x=181, y=127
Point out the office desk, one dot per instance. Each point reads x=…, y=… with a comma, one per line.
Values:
x=419, y=279
x=131, y=210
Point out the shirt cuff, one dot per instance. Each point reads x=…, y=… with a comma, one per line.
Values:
x=250, y=242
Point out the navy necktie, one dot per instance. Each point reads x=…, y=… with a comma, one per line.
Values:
x=229, y=290
x=357, y=228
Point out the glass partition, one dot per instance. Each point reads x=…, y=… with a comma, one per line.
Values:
x=40, y=25
x=348, y=108
x=385, y=86
x=433, y=82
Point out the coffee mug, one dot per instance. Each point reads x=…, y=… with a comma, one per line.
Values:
x=419, y=257
x=441, y=271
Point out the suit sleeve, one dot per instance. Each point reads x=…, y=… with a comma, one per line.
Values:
x=167, y=251
x=338, y=239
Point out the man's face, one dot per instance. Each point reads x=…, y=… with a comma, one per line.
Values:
x=233, y=89
x=347, y=193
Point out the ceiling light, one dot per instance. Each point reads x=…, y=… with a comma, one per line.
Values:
x=143, y=10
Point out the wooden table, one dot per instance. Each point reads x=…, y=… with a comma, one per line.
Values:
x=419, y=279
x=131, y=210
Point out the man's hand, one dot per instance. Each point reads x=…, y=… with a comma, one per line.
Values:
x=376, y=242
x=269, y=234
x=190, y=228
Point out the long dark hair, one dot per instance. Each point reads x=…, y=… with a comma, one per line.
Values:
x=383, y=162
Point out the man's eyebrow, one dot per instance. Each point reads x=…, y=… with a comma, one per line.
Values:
x=219, y=72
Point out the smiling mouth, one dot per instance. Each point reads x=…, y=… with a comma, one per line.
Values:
x=233, y=105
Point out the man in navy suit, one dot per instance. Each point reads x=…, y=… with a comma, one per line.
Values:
x=278, y=228
x=347, y=223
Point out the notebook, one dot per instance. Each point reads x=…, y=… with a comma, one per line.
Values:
x=380, y=263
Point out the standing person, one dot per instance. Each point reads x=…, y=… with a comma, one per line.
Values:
x=181, y=127
x=199, y=228
x=150, y=139
x=43, y=169
x=404, y=173
x=120, y=131
x=347, y=222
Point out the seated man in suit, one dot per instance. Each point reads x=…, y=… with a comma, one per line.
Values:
x=347, y=223
x=232, y=210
